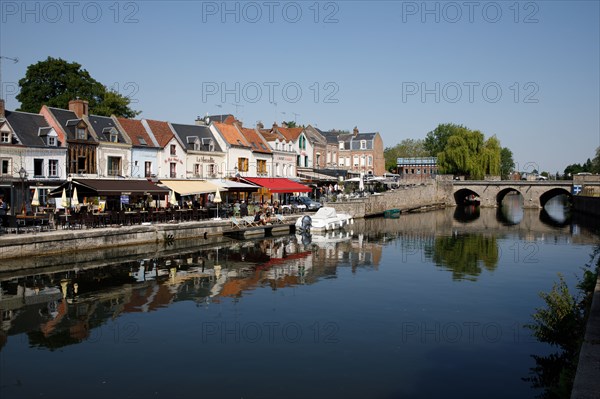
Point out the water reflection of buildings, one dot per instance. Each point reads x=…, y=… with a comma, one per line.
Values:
x=64, y=307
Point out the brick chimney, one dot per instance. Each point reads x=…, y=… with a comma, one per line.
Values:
x=259, y=125
x=355, y=131
x=80, y=107
x=1, y=108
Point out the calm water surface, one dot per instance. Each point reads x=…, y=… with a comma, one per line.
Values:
x=426, y=306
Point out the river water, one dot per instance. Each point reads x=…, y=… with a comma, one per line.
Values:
x=425, y=306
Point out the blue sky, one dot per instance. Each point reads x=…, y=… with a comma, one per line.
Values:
x=528, y=72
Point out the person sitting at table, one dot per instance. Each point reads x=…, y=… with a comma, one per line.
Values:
x=259, y=218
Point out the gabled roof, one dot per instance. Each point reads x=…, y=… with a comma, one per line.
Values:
x=290, y=133
x=189, y=133
x=68, y=121
x=161, y=131
x=103, y=126
x=31, y=129
x=232, y=135
x=256, y=140
x=315, y=135
x=136, y=131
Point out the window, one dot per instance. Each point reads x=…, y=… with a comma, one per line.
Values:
x=277, y=169
x=302, y=142
x=38, y=167
x=341, y=145
x=298, y=160
x=362, y=160
x=81, y=133
x=142, y=141
x=318, y=159
x=277, y=145
x=261, y=166
x=341, y=161
x=114, y=137
x=197, y=145
x=363, y=144
x=197, y=170
x=173, y=149
x=5, y=166
x=211, y=169
x=81, y=161
x=242, y=164
x=114, y=166
x=328, y=157
x=306, y=161
x=4, y=137
x=43, y=196
x=290, y=147
x=370, y=160
x=173, y=170
x=53, y=168
x=147, y=169
x=356, y=160
x=51, y=141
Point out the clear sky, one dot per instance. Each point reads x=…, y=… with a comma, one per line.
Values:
x=528, y=72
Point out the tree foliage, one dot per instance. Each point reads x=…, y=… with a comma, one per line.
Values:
x=436, y=140
x=467, y=153
x=407, y=148
x=54, y=82
x=507, y=164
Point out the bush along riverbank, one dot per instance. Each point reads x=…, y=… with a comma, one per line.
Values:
x=562, y=323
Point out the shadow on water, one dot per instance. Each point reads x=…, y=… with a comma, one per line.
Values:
x=466, y=213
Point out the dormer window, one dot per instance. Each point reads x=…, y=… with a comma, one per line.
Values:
x=341, y=145
x=4, y=137
x=363, y=144
x=196, y=145
x=114, y=137
x=81, y=133
x=277, y=145
x=51, y=141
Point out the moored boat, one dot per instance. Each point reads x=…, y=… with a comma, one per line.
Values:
x=391, y=213
x=324, y=219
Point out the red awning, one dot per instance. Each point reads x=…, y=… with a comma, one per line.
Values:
x=278, y=185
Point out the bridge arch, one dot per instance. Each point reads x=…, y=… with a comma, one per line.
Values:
x=504, y=192
x=461, y=195
x=548, y=195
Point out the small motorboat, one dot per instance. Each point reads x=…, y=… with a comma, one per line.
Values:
x=324, y=219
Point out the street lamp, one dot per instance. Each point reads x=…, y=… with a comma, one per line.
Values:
x=23, y=175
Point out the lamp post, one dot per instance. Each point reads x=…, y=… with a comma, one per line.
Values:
x=23, y=175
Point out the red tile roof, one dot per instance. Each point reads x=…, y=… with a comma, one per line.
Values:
x=232, y=135
x=135, y=130
x=161, y=130
x=254, y=138
x=290, y=133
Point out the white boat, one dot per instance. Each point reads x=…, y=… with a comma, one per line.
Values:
x=324, y=219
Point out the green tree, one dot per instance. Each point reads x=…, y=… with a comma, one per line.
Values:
x=54, y=82
x=407, y=148
x=289, y=124
x=507, y=164
x=466, y=153
x=596, y=162
x=437, y=139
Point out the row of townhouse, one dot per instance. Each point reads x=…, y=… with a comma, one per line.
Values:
x=45, y=148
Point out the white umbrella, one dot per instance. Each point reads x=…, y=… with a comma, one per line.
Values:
x=74, y=200
x=63, y=200
x=361, y=183
x=216, y=200
x=173, y=200
x=35, y=201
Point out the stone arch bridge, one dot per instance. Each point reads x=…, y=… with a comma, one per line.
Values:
x=490, y=193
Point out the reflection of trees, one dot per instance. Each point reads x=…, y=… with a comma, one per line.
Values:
x=465, y=254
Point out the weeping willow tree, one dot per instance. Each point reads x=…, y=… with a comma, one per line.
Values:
x=468, y=153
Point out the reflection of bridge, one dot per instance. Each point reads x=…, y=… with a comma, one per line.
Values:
x=491, y=193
